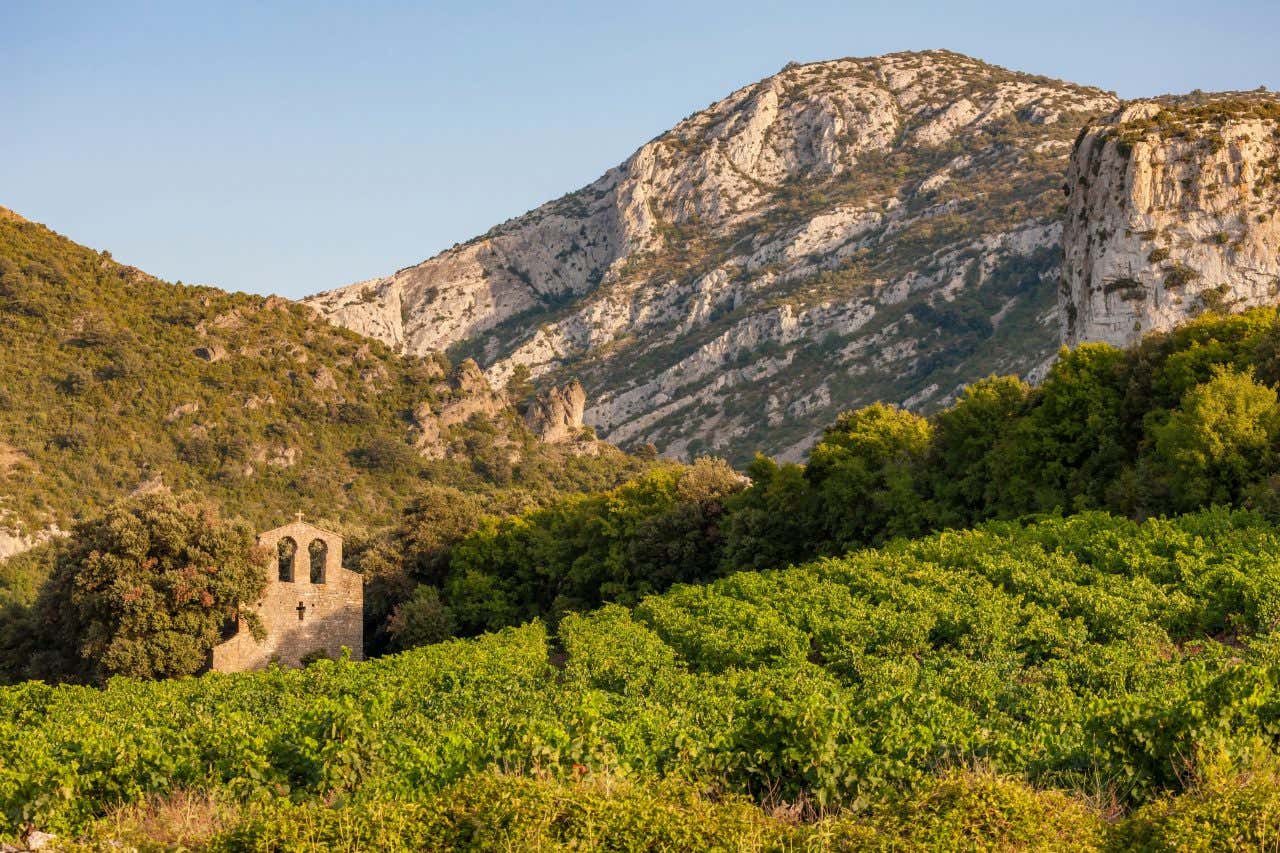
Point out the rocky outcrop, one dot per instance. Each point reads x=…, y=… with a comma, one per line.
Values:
x=211, y=352
x=837, y=233
x=556, y=416
x=15, y=540
x=1173, y=210
x=464, y=395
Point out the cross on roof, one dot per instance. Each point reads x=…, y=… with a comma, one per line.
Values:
x=298, y=515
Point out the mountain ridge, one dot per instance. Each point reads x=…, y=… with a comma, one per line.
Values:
x=693, y=283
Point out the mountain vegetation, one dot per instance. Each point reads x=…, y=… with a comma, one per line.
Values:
x=121, y=387
x=116, y=382
x=1186, y=420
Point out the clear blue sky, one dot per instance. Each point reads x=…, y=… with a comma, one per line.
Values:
x=293, y=147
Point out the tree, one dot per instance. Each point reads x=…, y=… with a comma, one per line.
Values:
x=1220, y=441
x=416, y=552
x=772, y=523
x=865, y=471
x=520, y=385
x=967, y=449
x=147, y=588
x=1072, y=444
x=421, y=620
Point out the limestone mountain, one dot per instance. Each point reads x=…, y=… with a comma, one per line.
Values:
x=1175, y=209
x=112, y=381
x=840, y=232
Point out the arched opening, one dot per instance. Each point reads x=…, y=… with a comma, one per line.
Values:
x=319, y=553
x=285, y=552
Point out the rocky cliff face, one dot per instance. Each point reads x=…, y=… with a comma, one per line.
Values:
x=556, y=416
x=1173, y=211
x=840, y=232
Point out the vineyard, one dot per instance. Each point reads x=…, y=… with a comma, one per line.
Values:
x=1072, y=683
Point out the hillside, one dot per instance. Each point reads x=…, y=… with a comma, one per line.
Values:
x=1075, y=683
x=838, y=233
x=116, y=382
x=1174, y=209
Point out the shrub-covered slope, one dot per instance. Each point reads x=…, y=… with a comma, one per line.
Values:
x=1132, y=667
x=113, y=381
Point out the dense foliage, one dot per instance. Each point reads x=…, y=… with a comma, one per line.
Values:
x=146, y=590
x=1185, y=420
x=1126, y=665
x=584, y=550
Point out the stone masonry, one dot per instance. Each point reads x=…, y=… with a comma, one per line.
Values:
x=311, y=604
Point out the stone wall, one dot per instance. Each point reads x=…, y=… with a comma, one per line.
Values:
x=300, y=616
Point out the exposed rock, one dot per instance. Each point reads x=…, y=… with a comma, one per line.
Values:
x=179, y=412
x=37, y=840
x=10, y=456
x=151, y=486
x=281, y=457
x=211, y=352
x=258, y=402
x=837, y=233
x=1173, y=210
x=428, y=437
x=556, y=415
x=15, y=540
x=323, y=379
x=465, y=394
x=469, y=394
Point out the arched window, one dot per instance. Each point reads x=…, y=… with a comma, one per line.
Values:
x=319, y=553
x=284, y=558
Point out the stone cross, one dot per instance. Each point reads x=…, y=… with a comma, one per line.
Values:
x=302, y=610
x=298, y=515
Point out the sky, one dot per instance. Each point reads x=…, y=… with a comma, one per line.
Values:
x=289, y=148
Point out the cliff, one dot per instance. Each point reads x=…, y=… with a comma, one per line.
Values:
x=1172, y=211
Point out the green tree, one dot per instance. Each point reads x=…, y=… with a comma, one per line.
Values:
x=772, y=523
x=968, y=445
x=1071, y=445
x=1221, y=440
x=583, y=550
x=421, y=620
x=147, y=588
x=520, y=385
x=865, y=471
x=414, y=553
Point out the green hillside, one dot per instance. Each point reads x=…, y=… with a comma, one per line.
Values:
x=1070, y=683
x=113, y=381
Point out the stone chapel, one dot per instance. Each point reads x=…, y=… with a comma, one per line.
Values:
x=312, y=604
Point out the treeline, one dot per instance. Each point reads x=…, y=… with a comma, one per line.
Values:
x=1186, y=420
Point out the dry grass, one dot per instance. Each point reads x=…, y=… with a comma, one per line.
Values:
x=10, y=458
x=180, y=820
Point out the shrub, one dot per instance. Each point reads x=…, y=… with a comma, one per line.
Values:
x=148, y=588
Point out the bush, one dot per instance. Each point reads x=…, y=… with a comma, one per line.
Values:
x=421, y=620
x=147, y=589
